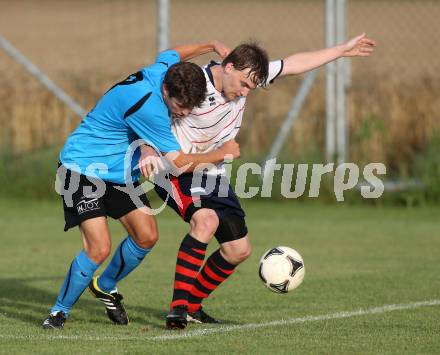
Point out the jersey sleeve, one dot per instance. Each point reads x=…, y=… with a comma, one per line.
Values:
x=275, y=69
x=154, y=127
x=168, y=57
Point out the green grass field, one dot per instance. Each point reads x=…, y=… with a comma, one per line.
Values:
x=356, y=258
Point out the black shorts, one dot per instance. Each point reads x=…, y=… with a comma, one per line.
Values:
x=82, y=205
x=189, y=193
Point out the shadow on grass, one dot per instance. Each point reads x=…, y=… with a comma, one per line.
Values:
x=20, y=299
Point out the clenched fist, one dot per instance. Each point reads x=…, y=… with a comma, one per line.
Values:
x=231, y=147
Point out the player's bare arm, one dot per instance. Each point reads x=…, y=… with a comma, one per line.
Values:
x=360, y=46
x=189, y=162
x=150, y=162
x=192, y=50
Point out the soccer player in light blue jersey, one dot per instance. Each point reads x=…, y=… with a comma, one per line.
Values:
x=96, y=169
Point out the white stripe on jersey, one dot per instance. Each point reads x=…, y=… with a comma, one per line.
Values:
x=215, y=121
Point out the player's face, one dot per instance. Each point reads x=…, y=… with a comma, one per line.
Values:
x=236, y=83
x=176, y=109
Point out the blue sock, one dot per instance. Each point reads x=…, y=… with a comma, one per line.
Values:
x=77, y=279
x=126, y=258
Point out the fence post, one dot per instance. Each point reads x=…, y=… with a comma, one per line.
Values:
x=163, y=25
x=330, y=83
x=341, y=71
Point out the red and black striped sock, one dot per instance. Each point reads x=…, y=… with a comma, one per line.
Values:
x=189, y=260
x=214, y=272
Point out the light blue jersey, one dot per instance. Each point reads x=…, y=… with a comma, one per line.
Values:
x=132, y=109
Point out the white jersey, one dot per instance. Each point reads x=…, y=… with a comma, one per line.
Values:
x=216, y=121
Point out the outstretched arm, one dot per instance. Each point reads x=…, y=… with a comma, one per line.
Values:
x=192, y=50
x=359, y=46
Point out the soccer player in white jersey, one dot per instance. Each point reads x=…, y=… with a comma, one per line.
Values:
x=218, y=212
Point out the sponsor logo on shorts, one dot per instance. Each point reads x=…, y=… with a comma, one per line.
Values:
x=87, y=205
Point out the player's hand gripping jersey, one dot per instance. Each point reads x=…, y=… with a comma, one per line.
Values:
x=216, y=120
x=132, y=109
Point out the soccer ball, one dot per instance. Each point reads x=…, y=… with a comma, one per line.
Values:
x=281, y=269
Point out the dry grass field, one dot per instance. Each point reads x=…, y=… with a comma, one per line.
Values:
x=87, y=45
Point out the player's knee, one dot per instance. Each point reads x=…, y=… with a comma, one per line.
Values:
x=245, y=253
x=210, y=222
x=147, y=237
x=99, y=253
x=205, y=222
x=239, y=255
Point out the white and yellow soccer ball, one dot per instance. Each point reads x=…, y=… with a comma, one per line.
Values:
x=281, y=269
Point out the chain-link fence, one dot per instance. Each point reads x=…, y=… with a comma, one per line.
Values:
x=87, y=45
x=84, y=46
x=392, y=99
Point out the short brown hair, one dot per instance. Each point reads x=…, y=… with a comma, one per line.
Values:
x=186, y=83
x=250, y=56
